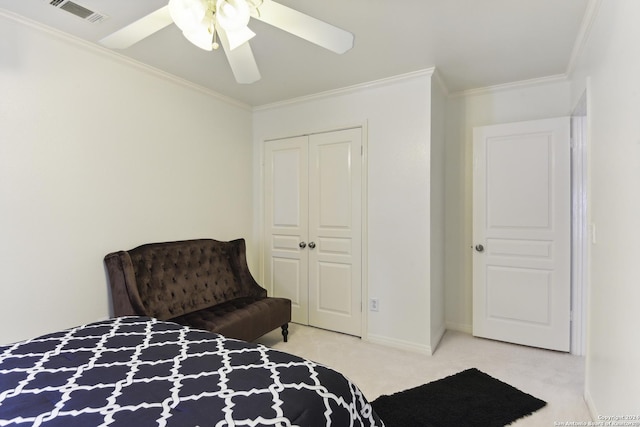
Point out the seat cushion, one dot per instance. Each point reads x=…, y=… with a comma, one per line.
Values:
x=242, y=318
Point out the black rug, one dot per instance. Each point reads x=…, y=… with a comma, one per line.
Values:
x=469, y=398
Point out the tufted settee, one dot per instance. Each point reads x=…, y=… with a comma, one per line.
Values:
x=202, y=283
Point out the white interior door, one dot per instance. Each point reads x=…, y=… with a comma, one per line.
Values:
x=287, y=222
x=335, y=231
x=313, y=237
x=521, y=233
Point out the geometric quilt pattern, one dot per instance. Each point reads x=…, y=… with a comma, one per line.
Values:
x=139, y=372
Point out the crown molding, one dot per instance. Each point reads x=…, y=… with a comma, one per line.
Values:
x=428, y=72
x=521, y=84
x=437, y=77
x=583, y=34
x=103, y=51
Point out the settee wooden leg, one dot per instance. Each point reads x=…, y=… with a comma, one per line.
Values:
x=285, y=331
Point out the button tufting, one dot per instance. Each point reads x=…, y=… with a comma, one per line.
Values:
x=179, y=279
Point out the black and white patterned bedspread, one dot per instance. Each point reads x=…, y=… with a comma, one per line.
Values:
x=138, y=372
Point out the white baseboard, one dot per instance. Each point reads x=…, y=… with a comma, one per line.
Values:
x=590, y=405
x=460, y=327
x=437, y=338
x=400, y=344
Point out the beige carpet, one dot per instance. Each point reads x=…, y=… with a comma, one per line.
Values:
x=554, y=377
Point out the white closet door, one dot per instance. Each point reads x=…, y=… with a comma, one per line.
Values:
x=521, y=233
x=335, y=210
x=313, y=241
x=287, y=223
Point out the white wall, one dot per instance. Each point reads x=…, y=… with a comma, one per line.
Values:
x=527, y=101
x=610, y=69
x=96, y=156
x=397, y=114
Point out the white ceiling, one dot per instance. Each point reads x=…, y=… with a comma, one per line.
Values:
x=472, y=43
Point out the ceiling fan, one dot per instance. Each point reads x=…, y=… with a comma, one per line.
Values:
x=211, y=23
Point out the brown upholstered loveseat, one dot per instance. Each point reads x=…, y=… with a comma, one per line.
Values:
x=201, y=283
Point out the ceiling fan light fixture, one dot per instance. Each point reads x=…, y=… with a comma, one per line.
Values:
x=232, y=15
x=200, y=19
x=188, y=14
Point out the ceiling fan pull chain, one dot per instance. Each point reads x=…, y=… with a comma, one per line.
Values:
x=215, y=44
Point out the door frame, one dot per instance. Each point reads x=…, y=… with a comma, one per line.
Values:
x=579, y=224
x=364, y=241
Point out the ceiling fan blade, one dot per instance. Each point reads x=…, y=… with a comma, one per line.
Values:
x=304, y=26
x=239, y=37
x=138, y=30
x=241, y=59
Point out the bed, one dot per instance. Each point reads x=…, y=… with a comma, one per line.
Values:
x=140, y=371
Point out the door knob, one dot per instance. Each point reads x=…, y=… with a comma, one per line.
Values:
x=312, y=245
x=302, y=245
x=479, y=248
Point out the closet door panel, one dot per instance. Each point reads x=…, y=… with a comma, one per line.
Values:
x=286, y=223
x=335, y=228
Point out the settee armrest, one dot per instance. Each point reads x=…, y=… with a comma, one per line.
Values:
x=124, y=292
x=238, y=261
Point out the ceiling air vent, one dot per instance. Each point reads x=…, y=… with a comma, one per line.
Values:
x=79, y=11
